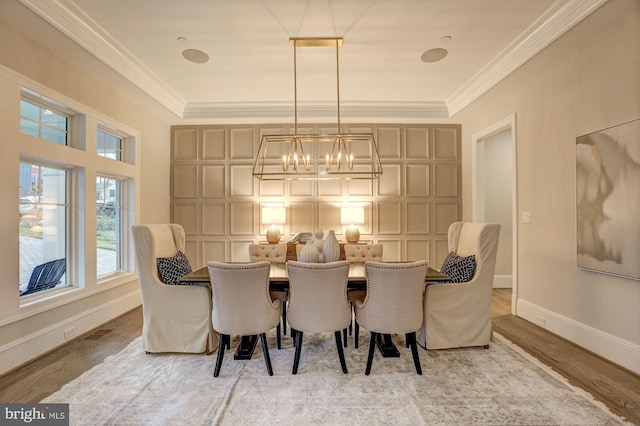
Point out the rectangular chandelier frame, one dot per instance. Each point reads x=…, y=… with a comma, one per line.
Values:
x=317, y=156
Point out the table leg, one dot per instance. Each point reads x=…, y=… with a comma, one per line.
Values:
x=387, y=347
x=246, y=347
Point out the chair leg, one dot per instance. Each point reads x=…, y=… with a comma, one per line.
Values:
x=296, y=358
x=406, y=340
x=221, y=347
x=351, y=320
x=284, y=318
x=278, y=337
x=372, y=346
x=356, y=333
x=265, y=353
x=343, y=364
x=227, y=341
x=411, y=337
x=293, y=336
x=344, y=334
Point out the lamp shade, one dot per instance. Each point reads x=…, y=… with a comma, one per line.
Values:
x=352, y=215
x=273, y=215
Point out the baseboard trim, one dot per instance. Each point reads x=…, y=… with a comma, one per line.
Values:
x=27, y=348
x=617, y=350
x=503, y=281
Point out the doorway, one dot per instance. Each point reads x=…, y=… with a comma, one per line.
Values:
x=495, y=195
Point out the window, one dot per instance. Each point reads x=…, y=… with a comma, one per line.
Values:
x=56, y=200
x=109, y=145
x=43, y=211
x=109, y=220
x=44, y=123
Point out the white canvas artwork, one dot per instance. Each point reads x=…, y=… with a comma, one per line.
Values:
x=608, y=200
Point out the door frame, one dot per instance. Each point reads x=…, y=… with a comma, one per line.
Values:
x=477, y=161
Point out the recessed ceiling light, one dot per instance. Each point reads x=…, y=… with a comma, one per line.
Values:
x=434, y=55
x=195, y=55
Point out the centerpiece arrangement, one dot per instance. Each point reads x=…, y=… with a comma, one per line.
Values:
x=319, y=250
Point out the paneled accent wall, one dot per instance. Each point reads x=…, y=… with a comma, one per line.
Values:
x=217, y=200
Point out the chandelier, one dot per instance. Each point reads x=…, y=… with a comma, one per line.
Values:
x=317, y=156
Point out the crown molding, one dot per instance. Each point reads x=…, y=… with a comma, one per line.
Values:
x=75, y=24
x=316, y=111
x=550, y=26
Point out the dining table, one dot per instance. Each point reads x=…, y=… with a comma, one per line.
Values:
x=279, y=287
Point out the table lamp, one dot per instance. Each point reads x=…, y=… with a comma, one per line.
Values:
x=273, y=216
x=352, y=216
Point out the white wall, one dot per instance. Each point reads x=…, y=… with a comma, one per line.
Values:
x=585, y=81
x=498, y=195
x=27, y=332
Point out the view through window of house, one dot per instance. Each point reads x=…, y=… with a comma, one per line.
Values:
x=109, y=145
x=43, y=123
x=43, y=212
x=109, y=225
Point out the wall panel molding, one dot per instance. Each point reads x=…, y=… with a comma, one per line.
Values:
x=408, y=210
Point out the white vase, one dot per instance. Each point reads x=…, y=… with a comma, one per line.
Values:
x=318, y=241
x=309, y=253
x=331, y=248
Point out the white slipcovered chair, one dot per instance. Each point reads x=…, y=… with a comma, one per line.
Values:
x=242, y=305
x=360, y=253
x=459, y=314
x=176, y=318
x=393, y=303
x=318, y=302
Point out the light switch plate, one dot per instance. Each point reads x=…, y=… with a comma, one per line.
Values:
x=526, y=217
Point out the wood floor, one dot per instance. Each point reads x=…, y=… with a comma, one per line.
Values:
x=618, y=388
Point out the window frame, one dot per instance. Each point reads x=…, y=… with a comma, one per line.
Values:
x=71, y=177
x=80, y=157
x=124, y=241
x=47, y=104
x=109, y=131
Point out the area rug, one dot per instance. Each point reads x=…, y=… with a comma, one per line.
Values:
x=501, y=385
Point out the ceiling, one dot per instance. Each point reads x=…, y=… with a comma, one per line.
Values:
x=250, y=66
